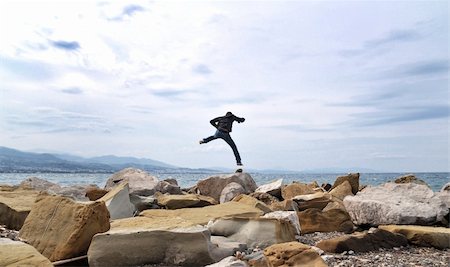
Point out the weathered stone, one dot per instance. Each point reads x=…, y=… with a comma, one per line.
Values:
x=326, y=186
x=75, y=192
x=317, y=200
x=396, y=204
x=315, y=220
x=409, y=178
x=230, y=191
x=294, y=189
x=352, y=178
x=95, y=193
x=140, y=182
x=289, y=216
x=118, y=202
x=335, y=204
x=362, y=242
x=255, y=232
x=273, y=188
x=230, y=261
x=144, y=202
x=36, y=183
x=168, y=187
x=265, y=198
x=15, y=205
x=138, y=246
x=213, y=185
x=251, y=201
x=16, y=253
x=426, y=236
x=446, y=187
x=184, y=201
x=342, y=190
x=293, y=254
x=223, y=246
x=60, y=228
x=193, y=216
x=285, y=205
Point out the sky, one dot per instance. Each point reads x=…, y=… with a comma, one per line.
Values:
x=321, y=84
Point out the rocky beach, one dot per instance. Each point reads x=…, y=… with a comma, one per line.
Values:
x=224, y=220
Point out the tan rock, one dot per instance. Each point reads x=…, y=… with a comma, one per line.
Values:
x=335, y=204
x=251, y=201
x=293, y=254
x=61, y=228
x=285, y=205
x=36, y=183
x=15, y=205
x=409, y=178
x=265, y=198
x=317, y=200
x=315, y=220
x=362, y=242
x=342, y=190
x=193, y=216
x=213, y=185
x=352, y=178
x=184, y=201
x=15, y=253
x=295, y=189
x=426, y=236
x=95, y=193
x=140, y=182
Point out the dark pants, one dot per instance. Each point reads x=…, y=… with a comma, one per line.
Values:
x=227, y=138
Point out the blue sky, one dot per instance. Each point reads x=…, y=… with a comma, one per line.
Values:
x=321, y=83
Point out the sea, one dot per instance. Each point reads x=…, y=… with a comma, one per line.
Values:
x=436, y=180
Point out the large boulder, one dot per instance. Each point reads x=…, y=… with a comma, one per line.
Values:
x=193, y=216
x=342, y=190
x=169, y=186
x=184, y=201
x=285, y=205
x=373, y=240
x=36, y=183
x=16, y=253
x=118, y=202
x=61, y=228
x=315, y=220
x=75, y=192
x=273, y=188
x=295, y=189
x=137, y=246
x=265, y=198
x=445, y=187
x=393, y=203
x=15, y=205
x=352, y=178
x=95, y=193
x=409, y=178
x=140, y=182
x=213, y=185
x=288, y=216
x=230, y=191
x=248, y=200
x=317, y=200
x=293, y=254
x=426, y=236
x=255, y=232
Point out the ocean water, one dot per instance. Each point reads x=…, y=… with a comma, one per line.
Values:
x=436, y=180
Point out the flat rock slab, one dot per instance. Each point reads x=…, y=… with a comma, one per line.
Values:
x=426, y=236
x=184, y=201
x=15, y=205
x=137, y=246
x=16, y=253
x=293, y=254
x=393, y=203
x=60, y=228
x=315, y=220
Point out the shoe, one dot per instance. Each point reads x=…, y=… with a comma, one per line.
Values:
x=201, y=142
x=240, y=164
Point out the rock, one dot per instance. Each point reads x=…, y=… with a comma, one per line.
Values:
x=315, y=220
x=289, y=216
x=317, y=200
x=95, y=193
x=140, y=182
x=16, y=253
x=137, y=246
x=293, y=254
x=143, y=203
x=168, y=187
x=393, y=203
x=15, y=205
x=342, y=190
x=265, y=198
x=223, y=247
x=251, y=201
x=285, y=205
x=76, y=192
x=295, y=189
x=193, y=216
x=230, y=261
x=326, y=186
x=446, y=187
x=409, y=178
x=352, y=178
x=425, y=236
x=273, y=188
x=60, y=228
x=36, y=183
x=213, y=185
x=335, y=204
x=230, y=191
x=184, y=201
x=363, y=242
x=118, y=202
x=255, y=232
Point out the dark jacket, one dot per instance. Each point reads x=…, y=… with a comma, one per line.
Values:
x=225, y=123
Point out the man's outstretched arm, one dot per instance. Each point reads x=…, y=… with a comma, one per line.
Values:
x=215, y=122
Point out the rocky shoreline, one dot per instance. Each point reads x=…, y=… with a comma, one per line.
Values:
x=224, y=220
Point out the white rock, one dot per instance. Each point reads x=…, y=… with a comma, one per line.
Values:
x=229, y=262
x=273, y=188
x=290, y=216
x=230, y=191
x=118, y=202
x=140, y=182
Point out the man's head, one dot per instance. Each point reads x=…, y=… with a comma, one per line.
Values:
x=229, y=114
